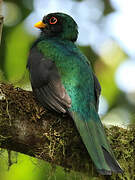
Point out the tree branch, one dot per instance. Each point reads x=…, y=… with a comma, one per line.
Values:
x=27, y=127
x=1, y=20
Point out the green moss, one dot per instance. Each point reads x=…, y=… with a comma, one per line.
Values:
x=123, y=144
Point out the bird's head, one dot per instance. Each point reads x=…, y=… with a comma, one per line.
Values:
x=58, y=25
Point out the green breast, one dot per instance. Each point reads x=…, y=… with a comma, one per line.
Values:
x=76, y=74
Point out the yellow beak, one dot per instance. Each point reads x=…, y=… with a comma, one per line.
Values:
x=40, y=24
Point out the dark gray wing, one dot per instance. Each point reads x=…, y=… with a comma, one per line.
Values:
x=97, y=89
x=46, y=82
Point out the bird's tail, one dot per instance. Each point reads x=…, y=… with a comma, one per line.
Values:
x=94, y=138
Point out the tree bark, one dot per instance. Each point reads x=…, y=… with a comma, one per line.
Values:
x=27, y=127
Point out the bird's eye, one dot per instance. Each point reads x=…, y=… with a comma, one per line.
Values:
x=53, y=20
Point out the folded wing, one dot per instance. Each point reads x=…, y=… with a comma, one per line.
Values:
x=46, y=82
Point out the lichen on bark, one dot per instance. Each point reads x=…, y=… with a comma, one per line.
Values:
x=27, y=127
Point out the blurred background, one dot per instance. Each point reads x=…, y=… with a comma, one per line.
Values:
x=106, y=36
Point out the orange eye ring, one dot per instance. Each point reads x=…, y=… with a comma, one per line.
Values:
x=53, y=20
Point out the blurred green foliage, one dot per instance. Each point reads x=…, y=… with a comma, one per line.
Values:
x=15, y=67
x=8, y=31
x=16, y=42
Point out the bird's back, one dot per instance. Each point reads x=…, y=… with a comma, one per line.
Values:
x=75, y=71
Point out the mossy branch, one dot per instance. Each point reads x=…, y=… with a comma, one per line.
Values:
x=28, y=128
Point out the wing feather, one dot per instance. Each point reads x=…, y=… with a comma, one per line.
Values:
x=97, y=89
x=46, y=82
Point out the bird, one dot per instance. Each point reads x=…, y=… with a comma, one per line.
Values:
x=62, y=80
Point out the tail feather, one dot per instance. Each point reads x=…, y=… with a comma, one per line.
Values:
x=94, y=138
x=113, y=164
